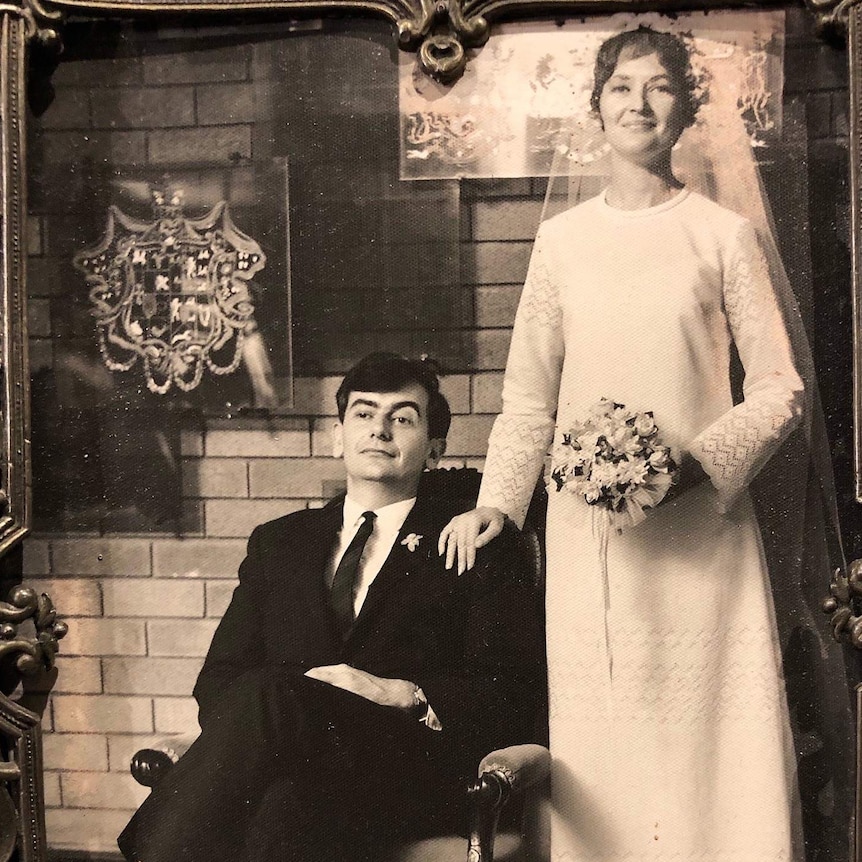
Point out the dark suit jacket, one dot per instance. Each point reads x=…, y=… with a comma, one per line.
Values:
x=472, y=642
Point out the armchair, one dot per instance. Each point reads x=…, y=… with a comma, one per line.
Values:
x=510, y=781
x=517, y=773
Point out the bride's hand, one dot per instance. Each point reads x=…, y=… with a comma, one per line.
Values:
x=465, y=534
x=690, y=475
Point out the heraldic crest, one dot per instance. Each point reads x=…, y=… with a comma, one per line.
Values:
x=174, y=292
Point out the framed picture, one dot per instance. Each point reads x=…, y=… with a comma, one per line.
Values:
x=211, y=210
x=177, y=303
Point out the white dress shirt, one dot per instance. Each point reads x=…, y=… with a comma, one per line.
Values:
x=387, y=525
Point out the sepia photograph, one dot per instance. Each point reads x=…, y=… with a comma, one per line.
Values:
x=431, y=433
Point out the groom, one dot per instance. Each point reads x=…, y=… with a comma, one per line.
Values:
x=354, y=682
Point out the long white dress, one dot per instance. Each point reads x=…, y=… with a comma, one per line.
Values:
x=682, y=751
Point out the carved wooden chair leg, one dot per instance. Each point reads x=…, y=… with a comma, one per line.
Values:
x=517, y=769
x=487, y=796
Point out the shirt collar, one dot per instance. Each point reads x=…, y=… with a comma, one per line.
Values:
x=389, y=518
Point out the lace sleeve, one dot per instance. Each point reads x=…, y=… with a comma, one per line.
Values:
x=524, y=430
x=735, y=447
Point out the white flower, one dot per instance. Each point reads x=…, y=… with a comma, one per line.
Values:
x=591, y=492
x=622, y=414
x=625, y=441
x=604, y=474
x=644, y=424
x=411, y=542
x=602, y=408
x=660, y=459
x=589, y=443
x=567, y=458
x=633, y=472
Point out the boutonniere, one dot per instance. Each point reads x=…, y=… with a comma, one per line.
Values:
x=411, y=542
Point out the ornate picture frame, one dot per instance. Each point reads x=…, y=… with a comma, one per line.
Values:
x=439, y=33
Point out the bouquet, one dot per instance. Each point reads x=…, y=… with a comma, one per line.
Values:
x=614, y=460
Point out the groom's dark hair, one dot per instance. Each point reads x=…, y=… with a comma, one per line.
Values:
x=390, y=372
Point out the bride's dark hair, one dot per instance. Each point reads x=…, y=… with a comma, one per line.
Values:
x=673, y=54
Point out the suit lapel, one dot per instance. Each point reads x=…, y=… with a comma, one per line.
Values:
x=401, y=564
x=314, y=557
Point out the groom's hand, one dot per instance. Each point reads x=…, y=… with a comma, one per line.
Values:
x=397, y=693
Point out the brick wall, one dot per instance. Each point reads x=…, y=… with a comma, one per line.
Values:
x=142, y=608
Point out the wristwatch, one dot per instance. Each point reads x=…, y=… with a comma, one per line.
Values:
x=420, y=704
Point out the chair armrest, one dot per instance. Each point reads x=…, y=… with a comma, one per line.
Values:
x=149, y=765
x=502, y=772
x=520, y=766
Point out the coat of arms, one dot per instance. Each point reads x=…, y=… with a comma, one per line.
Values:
x=174, y=293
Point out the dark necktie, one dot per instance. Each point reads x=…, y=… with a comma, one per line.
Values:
x=343, y=583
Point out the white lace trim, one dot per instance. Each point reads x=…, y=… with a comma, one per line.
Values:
x=523, y=432
x=736, y=446
x=516, y=452
x=748, y=292
x=734, y=453
x=540, y=301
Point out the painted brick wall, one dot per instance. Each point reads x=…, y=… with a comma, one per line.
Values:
x=142, y=609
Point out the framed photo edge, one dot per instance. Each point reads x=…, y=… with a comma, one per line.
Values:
x=439, y=31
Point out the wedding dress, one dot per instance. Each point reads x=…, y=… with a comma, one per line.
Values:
x=669, y=724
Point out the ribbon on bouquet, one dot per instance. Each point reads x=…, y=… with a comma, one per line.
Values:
x=606, y=522
x=602, y=528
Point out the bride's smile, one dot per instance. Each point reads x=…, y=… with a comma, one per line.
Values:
x=639, y=108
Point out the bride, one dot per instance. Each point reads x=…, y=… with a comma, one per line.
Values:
x=669, y=723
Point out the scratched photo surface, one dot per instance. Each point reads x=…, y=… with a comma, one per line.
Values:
x=225, y=218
